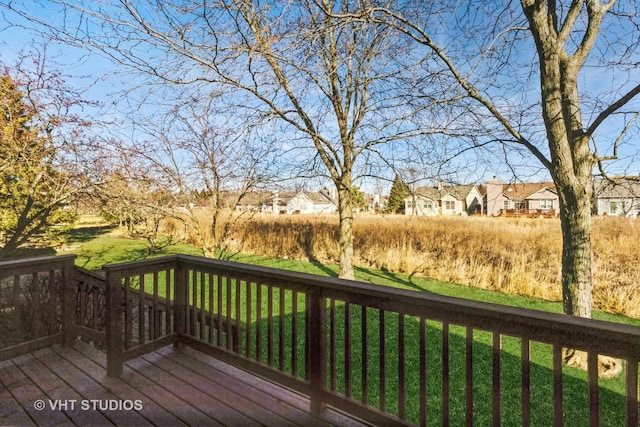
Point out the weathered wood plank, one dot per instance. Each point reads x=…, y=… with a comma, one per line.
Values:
x=155, y=392
x=26, y=393
x=236, y=401
x=268, y=391
x=192, y=406
x=82, y=355
x=11, y=411
x=41, y=370
x=88, y=388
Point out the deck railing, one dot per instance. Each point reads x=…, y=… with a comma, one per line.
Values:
x=44, y=301
x=386, y=355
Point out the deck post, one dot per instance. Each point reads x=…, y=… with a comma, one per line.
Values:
x=115, y=343
x=317, y=360
x=68, y=293
x=181, y=296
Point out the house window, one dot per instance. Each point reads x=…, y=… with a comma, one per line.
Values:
x=428, y=204
x=519, y=205
x=450, y=205
x=546, y=204
x=505, y=204
x=410, y=204
x=616, y=208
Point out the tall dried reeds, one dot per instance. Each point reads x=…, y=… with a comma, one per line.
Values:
x=519, y=256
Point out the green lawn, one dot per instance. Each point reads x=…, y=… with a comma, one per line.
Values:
x=101, y=249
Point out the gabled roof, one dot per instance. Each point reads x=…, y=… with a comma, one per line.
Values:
x=521, y=191
x=617, y=187
x=459, y=192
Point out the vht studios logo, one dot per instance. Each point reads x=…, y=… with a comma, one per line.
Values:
x=88, y=405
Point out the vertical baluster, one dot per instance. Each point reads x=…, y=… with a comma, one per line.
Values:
x=496, y=352
x=210, y=311
x=631, y=385
x=469, y=378
x=156, y=317
x=169, y=301
x=259, y=322
x=423, y=372
x=294, y=333
x=248, y=318
x=525, y=351
x=281, y=330
x=270, y=325
x=237, y=336
x=141, y=314
x=445, y=374
x=364, y=371
x=557, y=385
x=347, y=351
x=36, y=317
x=53, y=301
x=194, y=303
x=381, y=360
x=229, y=321
x=594, y=398
x=95, y=294
x=220, y=286
x=203, y=314
x=402, y=398
x=332, y=344
x=128, y=314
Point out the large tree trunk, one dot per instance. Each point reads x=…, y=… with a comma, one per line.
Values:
x=345, y=212
x=575, y=218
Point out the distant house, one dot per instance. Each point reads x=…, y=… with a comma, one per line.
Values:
x=258, y=201
x=527, y=199
x=444, y=200
x=375, y=203
x=303, y=202
x=617, y=196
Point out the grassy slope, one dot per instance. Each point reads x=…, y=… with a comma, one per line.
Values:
x=98, y=249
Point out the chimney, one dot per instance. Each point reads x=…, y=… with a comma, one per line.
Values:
x=494, y=196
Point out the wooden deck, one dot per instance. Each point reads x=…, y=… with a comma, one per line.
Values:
x=173, y=387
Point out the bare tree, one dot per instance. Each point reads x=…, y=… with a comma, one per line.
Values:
x=210, y=159
x=332, y=86
x=490, y=51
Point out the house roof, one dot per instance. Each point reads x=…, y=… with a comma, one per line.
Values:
x=434, y=193
x=521, y=191
x=617, y=187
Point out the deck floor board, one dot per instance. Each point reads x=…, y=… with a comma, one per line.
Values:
x=175, y=388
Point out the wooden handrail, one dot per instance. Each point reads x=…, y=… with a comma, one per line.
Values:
x=214, y=298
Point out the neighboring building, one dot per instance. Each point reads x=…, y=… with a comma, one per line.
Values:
x=521, y=199
x=444, y=200
x=617, y=196
x=375, y=203
x=258, y=201
x=303, y=202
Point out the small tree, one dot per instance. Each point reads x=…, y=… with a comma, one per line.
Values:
x=399, y=191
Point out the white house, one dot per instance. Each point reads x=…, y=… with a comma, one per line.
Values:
x=444, y=200
x=303, y=202
x=617, y=196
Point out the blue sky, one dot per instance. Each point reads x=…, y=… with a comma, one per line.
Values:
x=103, y=88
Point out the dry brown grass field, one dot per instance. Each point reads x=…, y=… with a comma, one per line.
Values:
x=519, y=256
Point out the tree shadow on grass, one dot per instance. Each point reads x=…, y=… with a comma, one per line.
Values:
x=85, y=234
